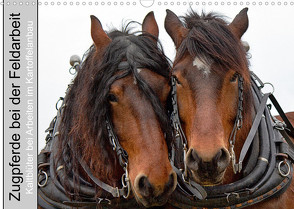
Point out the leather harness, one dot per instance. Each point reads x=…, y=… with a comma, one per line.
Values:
x=268, y=174
x=51, y=193
x=268, y=147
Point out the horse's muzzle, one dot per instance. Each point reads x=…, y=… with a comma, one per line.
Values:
x=209, y=171
x=153, y=195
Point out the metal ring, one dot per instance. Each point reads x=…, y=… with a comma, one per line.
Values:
x=125, y=179
x=46, y=178
x=126, y=182
x=72, y=72
x=56, y=105
x=270, y=85
x=281, y=172
x=128, y=187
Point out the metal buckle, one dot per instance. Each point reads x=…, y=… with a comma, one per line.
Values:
x=233, y=158
x=279, y=125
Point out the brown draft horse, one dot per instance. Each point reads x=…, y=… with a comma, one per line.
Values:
x=209, y=57
x=133, y=97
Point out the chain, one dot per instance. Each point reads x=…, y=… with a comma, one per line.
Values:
x=237, y=125
x=175, y=120
x=121, y=153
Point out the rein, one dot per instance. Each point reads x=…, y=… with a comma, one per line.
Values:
x=268, y=172
x=51, y=193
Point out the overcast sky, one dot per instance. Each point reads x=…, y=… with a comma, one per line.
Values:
x=65, y=30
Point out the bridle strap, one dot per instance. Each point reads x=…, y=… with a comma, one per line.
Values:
x=271, y=174
x=289, y=128
x=121, y=153
x=115, y=191
x=176, y=123
x=253, y=130
x=187, y=186
x=237, y=125
x=113, y=140
x=190, y=188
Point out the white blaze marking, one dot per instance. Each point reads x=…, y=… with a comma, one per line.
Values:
x=202, y=66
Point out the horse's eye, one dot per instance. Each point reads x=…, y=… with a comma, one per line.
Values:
x=112, y=98
x=234, y=78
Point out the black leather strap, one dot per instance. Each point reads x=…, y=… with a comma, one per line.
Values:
x=289, y=127
x=190, y=188
x=115, y=191
x=253, y=129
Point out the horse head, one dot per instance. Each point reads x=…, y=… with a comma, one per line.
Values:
x=122, y=85
x=211, y=71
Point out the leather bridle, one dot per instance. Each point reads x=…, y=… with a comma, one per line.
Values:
x=179, y=151
x=46, y=170
x=275, y=153
x=176, y=124
x=121, y=154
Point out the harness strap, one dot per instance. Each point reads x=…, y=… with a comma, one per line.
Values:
x=253, y=130
x=289, y=129
x=115, y=191
x=286, y=150
x=46, y=202
x=196, y=190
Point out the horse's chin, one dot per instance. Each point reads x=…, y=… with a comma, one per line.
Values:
x=207, y=181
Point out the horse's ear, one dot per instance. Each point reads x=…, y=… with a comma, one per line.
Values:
x=150, y=26
x=240, y=23
x=174, y=28
x=100, y=38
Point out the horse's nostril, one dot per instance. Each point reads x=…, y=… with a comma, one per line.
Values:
x=222, y=159
x=170, y=186
x=218, y=156
x=142, y=182
x=192, y=156
x=217, y=163
x=144, y=186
